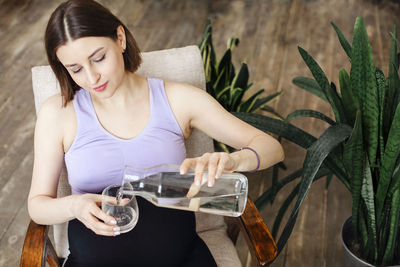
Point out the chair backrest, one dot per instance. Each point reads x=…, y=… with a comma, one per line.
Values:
x=178, y=64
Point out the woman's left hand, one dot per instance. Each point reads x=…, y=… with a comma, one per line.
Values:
x=215, y=163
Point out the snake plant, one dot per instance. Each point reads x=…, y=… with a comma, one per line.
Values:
x=360, y=146
x=227, y=86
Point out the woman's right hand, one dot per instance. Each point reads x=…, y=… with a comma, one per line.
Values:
x=86, y=209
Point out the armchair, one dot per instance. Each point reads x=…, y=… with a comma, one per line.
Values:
x=181, y=65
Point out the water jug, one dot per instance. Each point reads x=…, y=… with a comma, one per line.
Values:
x=164, y=186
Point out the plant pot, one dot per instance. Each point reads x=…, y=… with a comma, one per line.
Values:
x=347, y=237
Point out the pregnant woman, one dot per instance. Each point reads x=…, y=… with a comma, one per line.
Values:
x=107, y=117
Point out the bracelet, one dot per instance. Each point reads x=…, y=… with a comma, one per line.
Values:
x=258, y=158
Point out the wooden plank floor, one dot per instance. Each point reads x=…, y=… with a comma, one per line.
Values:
x=269, y=33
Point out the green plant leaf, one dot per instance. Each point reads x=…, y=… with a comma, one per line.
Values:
x=236, y=97
x=395, y=183
x=301, y=113
x=316, y=154
x=272, y=111
x=207, y=52
x=288, y=201
x=224, y=100
x=350, y=103
x=363, y=231
x=207, y=29
x=269, y=195
x=249, y=86
x=295, y=135
x=393, y=92
x=278, y=127
x=208, y=33
x=363, y=84
x=315, y=69
x=263, y=101
x=392, y=151
x=220, y=82
x=310, y=85
x=225, y=64
x=393, y=68
x=394, y=229
x=368, y=196
x=393, y=89
x=353, y=158
x=394, y=61
x=223, y=92
x=323, y=82
x=283, y=209
x=397, y=95
x=210, y=89
x=384, y=226
x=328, y=180
x=394, y=36
x=232, y=42
x=275, y=175
x=343, y=41
x=272, y=97
x=221, y=147
x=247, y=105
x=381, y=86
x=241, y=78
x=209, y=69
x=335, y=98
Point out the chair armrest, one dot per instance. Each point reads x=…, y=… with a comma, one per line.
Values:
x=261, y=244
x=37, y=247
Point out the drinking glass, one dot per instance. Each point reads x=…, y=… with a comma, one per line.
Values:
x=126, y=212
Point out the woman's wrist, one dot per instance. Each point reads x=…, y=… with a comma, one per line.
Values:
x=246, y=160
x=257, y=156
x=73, y=199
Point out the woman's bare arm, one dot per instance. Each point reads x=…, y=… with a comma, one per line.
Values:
x=43, y=205
x=207, y=115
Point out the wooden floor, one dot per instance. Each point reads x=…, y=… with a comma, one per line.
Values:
x=269, y=33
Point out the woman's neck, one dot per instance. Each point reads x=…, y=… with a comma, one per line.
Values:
x=128, y=92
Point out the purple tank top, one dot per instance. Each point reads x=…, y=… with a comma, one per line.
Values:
x=97, y=158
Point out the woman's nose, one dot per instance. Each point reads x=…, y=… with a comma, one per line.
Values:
x=93, y=76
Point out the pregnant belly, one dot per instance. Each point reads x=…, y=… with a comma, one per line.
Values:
x=162, y=237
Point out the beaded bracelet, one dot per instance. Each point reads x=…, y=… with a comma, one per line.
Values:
x=258, y=158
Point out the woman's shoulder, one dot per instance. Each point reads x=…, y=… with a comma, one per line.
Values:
x=183, y=90
x=54, y=114
x=53, y=107
x=188, y=96
x=59, y=120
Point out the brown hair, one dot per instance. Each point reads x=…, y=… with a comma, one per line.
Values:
x=82, y=18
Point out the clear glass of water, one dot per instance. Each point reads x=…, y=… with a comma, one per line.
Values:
x=124, y=209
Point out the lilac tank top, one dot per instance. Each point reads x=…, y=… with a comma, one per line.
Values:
x=97, y=158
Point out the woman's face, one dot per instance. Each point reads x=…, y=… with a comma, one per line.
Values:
x=94, y=63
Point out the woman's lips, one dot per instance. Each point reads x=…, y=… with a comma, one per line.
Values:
x=101, y=87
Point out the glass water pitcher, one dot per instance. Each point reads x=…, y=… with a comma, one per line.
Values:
x=164, y=186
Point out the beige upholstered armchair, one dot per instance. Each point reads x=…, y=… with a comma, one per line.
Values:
x=181, y=65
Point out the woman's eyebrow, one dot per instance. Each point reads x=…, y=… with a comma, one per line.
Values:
x=97, y=50
x=91, y=55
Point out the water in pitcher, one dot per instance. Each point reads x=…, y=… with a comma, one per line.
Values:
x=170, y=190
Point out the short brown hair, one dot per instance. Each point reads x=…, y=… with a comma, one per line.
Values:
x=82, y=18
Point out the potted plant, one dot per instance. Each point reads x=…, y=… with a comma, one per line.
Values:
x=360, y=147
x=229, y=87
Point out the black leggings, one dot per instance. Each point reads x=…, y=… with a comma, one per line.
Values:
x=162, y=237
